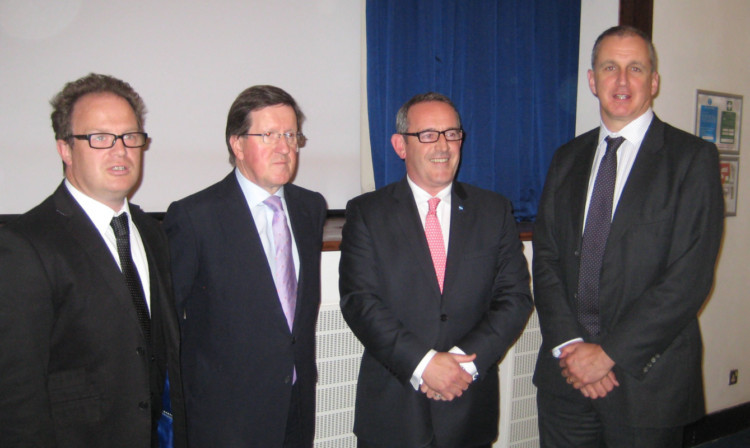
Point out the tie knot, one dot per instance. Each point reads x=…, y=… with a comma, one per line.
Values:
x=274, y=202
x=613, y=143
x=120, y=225
x=432, y=204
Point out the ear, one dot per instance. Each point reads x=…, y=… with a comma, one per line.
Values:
x=399, y=145
x=234, y=142
x=592, y=81
x=65, y=151
x=654, y=83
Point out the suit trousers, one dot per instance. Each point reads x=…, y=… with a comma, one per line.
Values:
x=573, y=421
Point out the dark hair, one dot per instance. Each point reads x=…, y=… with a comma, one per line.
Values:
x=255, y=98
x=64, y=102
x=402, y=122
x=625, y=31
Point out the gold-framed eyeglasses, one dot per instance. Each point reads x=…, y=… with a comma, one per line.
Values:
x=271, y=138
x=103, y=140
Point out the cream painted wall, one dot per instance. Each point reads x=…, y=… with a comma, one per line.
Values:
x=702, y=44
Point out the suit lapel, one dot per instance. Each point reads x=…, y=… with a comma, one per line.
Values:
x=462, y=217
x=80, y=228
x=578, y=179
x=301, y=223
x=639, y=181
x=241, y=233
x=412, y=231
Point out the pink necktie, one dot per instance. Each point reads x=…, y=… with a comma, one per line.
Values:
x=285, y=276
x=435, y=241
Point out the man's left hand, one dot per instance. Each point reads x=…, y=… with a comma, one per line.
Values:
x=584, y=363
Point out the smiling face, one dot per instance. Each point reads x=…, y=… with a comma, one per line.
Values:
x=106, y=175
x=623, y=80
x=432, y=166
x=267, y=165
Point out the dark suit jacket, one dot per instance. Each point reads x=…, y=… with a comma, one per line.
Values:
x=76, y=368
x=657, y=272
x=391, y=300
x=238, y=352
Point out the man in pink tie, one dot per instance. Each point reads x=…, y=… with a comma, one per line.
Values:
x=246, y=271
x=434, y=284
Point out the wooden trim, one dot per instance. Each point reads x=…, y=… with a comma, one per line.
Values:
x=332, y=230
x=638, y=13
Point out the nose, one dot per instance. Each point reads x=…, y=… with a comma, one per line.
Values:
x=119, y=147
x=622, y=77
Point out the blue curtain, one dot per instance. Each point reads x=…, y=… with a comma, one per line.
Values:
x=511, y=68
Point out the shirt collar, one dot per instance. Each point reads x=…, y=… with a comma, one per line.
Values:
x=254, y=194
x=100, y=214
x=634, y=132
x=420, y=195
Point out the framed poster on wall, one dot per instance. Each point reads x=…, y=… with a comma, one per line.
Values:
x=718, y=119
x=730, y=171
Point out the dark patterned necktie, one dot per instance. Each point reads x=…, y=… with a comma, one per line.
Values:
x=122, y=233
x=595, y=234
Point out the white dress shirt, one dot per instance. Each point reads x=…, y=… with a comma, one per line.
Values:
x=443, y=212
x=263, y=217
x=634, y=133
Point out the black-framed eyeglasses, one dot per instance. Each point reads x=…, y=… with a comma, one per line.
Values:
x=269, y=138
x=431, y=136
x=102, y=140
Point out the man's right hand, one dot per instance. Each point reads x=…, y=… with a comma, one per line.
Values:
x=445, y=377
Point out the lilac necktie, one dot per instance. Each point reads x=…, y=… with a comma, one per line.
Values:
x=285, y=277
x=595, y=236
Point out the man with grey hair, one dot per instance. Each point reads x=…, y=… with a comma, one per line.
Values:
x=625, y=243
x=88, y=326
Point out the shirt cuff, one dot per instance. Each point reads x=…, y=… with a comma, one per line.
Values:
x=416, y=377
x=557, y=351
x=469, y=367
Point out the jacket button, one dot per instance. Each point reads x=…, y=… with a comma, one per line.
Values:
x=140, y=351
x=287, y=379
x=443, y=317
x=143, y=405
x=577, y=253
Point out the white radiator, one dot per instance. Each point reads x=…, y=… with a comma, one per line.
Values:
x=338, y=357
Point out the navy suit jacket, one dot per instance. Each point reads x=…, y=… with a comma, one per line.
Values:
x=657, y=272
x=391, y=300
x=238, y=353
x=76, y=368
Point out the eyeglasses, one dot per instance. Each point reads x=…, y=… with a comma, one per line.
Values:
x=430, y=136
x=105, y=141
x=270, y=138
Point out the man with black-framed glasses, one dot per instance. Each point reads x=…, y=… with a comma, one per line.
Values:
x=434, y=284
x=88, y=325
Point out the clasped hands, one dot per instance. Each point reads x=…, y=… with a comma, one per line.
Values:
x=588, y=369
x=444, y=379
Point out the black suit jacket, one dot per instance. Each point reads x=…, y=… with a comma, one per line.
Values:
x=237, y=350
x=76, y=368
x=391, y=300
x=657, y=272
